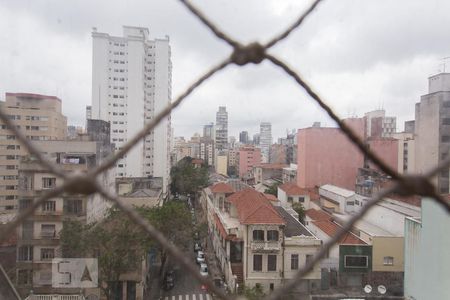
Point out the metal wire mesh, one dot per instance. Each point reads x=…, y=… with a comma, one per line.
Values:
x=240, y=55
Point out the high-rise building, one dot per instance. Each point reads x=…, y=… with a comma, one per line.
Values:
x=221, y=128
x=378, y=125
x=39, y=236
x=432, y=129
x=40, y=118
x=243, y=137
x=131, y=84
x=249, y=156
x=265, y=140
x=256, y=139
x=208, y=131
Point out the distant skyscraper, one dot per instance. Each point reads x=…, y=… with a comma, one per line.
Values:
x=256, y=138
x=221, y=128
x=131, y=84
x=265, y=136
x=208, y=131
x=432, y=129
x=243, y=137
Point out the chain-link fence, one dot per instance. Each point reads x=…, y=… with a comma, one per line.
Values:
x=240, y=55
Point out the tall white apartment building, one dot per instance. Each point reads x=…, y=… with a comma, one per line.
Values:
x=221, y=128
x=131, y=84
x=265, y=140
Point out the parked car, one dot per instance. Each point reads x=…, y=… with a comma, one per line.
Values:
x=197, y=247
x=203, y=269
x=200, y=257
x=169, y=280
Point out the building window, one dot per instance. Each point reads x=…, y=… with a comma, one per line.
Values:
x=48, y=183
x=258, y=235
x=301, y=199
x=48, y=230
x=271, y=262
x=309, y=258
x=294, y=261
x=290, y=199
x=271, y=286
x=48, y=206
x=73, y=206
x=446, y=121
x=445, y=138
x=25, y=253
x=24, y=277
x=272, y=235
x=47, y=253
x=388, y=261
x=356, y=261
x=257, y=262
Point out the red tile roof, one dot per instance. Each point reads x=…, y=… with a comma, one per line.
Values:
x=271, y=197
x=221, y=188
x=292, y=189
x=330, y=228
x=253, y=207
x=318, y=215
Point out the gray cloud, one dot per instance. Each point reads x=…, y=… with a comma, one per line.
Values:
x=359, y=55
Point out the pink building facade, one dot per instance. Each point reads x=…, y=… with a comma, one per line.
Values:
x=249, y=156
x=387, y=149
x=327, y=156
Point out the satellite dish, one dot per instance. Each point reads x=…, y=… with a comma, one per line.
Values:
x=368, y=289
x=382, y=289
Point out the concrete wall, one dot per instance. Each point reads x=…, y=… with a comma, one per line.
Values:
x=387, y=246
x=326, y=156
x=387, y=149
x=427, y=256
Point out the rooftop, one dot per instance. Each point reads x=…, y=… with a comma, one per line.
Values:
x=293, y=226
x=292, y=189
x=330, y=228
x=318, y=215
x=336, y=190
x=222, y=187
x=253, y=207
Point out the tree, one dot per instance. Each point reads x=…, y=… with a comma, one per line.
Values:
x=232, y=171
x=273, y=189
x=120, y=245
x=186, y=178
x=254, y=293
x=298, y=207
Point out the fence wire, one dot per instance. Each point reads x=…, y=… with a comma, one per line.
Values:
x=240, y=55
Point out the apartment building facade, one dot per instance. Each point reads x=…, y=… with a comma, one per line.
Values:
x=432, y=129
x=131, y=85
x=39, y=235
x=249, y=156
x=221, y=138
x=40, y=118
x=256, y=242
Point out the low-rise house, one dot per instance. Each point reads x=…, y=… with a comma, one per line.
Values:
x=290, y=192
x=255, y=242
x=336, y=198
x=322, y=225
x=266, y=171
x=140, y=191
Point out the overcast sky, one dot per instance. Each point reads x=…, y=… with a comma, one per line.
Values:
x=359, y=55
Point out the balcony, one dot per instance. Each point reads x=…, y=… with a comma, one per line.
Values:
x=262, y=246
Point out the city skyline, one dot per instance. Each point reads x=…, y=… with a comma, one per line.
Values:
x=384, y=65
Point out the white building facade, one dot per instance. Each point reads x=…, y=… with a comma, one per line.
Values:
x=265, y=140
x=131, y=84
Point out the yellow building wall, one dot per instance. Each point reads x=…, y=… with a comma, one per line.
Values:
x=385, y=247
x=222, y=165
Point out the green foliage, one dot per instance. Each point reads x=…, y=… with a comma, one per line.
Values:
x=273, y=189
x=298, y=207
x=187, y=179
x=119, y=244
x=254, y=293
